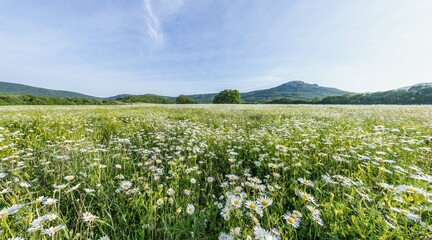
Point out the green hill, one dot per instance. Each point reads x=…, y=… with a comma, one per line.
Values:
x=15, y=88
x=292, y=90
x=418, y=94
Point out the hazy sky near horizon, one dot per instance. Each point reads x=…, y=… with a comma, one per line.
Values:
x=171, y=47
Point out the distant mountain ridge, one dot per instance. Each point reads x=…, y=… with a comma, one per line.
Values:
x=292, y=89
x=290, y=92
x=415, y=85
x=16, y=88
x=416, y=94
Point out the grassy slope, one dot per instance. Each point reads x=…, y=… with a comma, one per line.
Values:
x=14, y=88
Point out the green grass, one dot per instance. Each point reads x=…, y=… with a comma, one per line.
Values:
x=357, y=160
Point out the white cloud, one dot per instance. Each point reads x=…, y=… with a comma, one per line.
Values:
x=153, y=25
x=155, y=12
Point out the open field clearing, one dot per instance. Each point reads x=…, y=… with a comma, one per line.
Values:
x=209, y=172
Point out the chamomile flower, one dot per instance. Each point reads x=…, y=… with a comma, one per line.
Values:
x=307, y=197
x=88, y=217
x=40, y=199
x=10, y=210
x=160, y=201
x=281, y=148
x=225, y=236
x=407, y=214
x=236, y=201
x=52, y=230
x=50, y=201
x=170, y=192
x=306, y=182
x=125, y=185
x=265, y=201
x=24, y=184
x=232, y=177
x=314, y=211
x=292, y=220
x=410, y=189
x=318, y=220
x=190, y=209
x=69, y=178
x=251, y=205
x=225, y=213
x=235, y=231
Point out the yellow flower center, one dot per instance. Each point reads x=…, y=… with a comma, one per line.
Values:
x=291, y=220
x=404, y=212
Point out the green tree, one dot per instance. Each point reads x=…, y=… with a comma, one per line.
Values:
x=228, y=96
x=183, y=99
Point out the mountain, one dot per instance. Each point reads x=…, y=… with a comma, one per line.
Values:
x=416, y=94
x=293, y=90
x=415, y=85
x=15, y=88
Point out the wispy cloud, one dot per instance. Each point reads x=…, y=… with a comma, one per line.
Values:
x=153, y=25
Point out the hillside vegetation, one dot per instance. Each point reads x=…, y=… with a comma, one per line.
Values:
x=44, y=100
x=14, y=88
x=418, y=94
x=6, y=99
x=146, y=98
x=414, y=95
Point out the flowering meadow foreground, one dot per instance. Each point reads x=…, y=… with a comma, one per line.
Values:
x=209, y=172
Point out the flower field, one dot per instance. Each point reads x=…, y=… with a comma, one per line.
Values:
x=216, y=172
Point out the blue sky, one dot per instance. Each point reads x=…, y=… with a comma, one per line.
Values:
x=172, y=47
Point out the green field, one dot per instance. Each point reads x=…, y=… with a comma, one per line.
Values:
x=209, y=172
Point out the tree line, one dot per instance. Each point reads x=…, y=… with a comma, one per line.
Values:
x=414, y=95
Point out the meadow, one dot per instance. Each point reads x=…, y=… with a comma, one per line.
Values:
x=215, y=172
